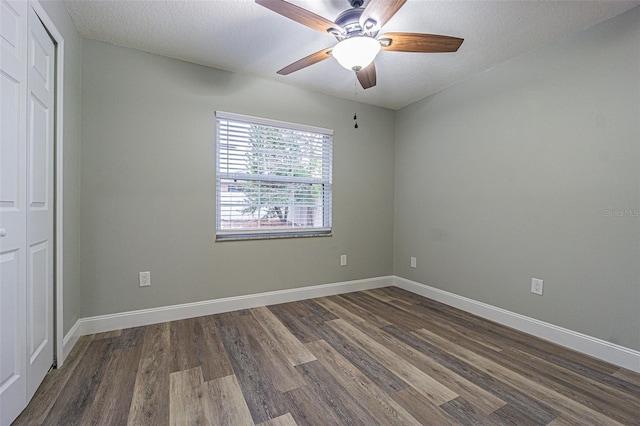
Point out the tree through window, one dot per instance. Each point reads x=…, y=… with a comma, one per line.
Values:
x=273, y=178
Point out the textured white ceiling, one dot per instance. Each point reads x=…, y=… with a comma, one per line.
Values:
x=241, y=36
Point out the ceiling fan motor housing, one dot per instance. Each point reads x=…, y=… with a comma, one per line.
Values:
x=349, y=21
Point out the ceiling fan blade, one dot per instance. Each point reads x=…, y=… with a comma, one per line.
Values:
x=380, y=11
x=422, y=43
x=314, y=58
x=300, y=15
x=367, y=76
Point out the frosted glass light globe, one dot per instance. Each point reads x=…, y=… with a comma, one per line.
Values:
x=356, y=53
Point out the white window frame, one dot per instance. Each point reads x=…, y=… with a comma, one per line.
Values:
x=222, y=174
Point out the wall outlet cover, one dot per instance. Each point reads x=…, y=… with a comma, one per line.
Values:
x=537, y=286
x=145, y=279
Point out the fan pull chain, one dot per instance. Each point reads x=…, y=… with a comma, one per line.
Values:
x=355, y=116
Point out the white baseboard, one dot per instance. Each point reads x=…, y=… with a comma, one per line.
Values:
x=99, y=324
x=614, y=354
x=69, y=341
x=597, y=348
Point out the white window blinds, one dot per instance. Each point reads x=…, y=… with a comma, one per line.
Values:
x=273, y=178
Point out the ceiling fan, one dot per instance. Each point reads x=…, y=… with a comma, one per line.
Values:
x=357, y=32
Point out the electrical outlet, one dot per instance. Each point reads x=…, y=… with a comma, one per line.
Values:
x=536, y=286
x=145, y=279
x=343, y=260
x=413, y=262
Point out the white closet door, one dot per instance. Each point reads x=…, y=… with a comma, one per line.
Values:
x=27, y=67
x=40, y=208
x=13, y=257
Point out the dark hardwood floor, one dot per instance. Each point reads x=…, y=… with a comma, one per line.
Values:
x=384, y=357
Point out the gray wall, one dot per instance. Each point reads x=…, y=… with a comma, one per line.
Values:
x=148, y=185
x=529, y=170
x=71, y=157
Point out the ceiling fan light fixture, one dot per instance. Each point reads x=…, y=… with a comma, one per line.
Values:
x=356, y=53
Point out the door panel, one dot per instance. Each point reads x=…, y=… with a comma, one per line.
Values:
x=10, y=270
x=13, y=259
x=10, y=154
x=12, y=377
x=38, y=306
x=39, y=143
x=40, y=58
x=41, y=51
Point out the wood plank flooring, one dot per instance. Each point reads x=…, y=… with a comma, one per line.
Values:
x=383, y=356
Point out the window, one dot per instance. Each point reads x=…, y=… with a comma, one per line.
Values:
x=273, y=179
